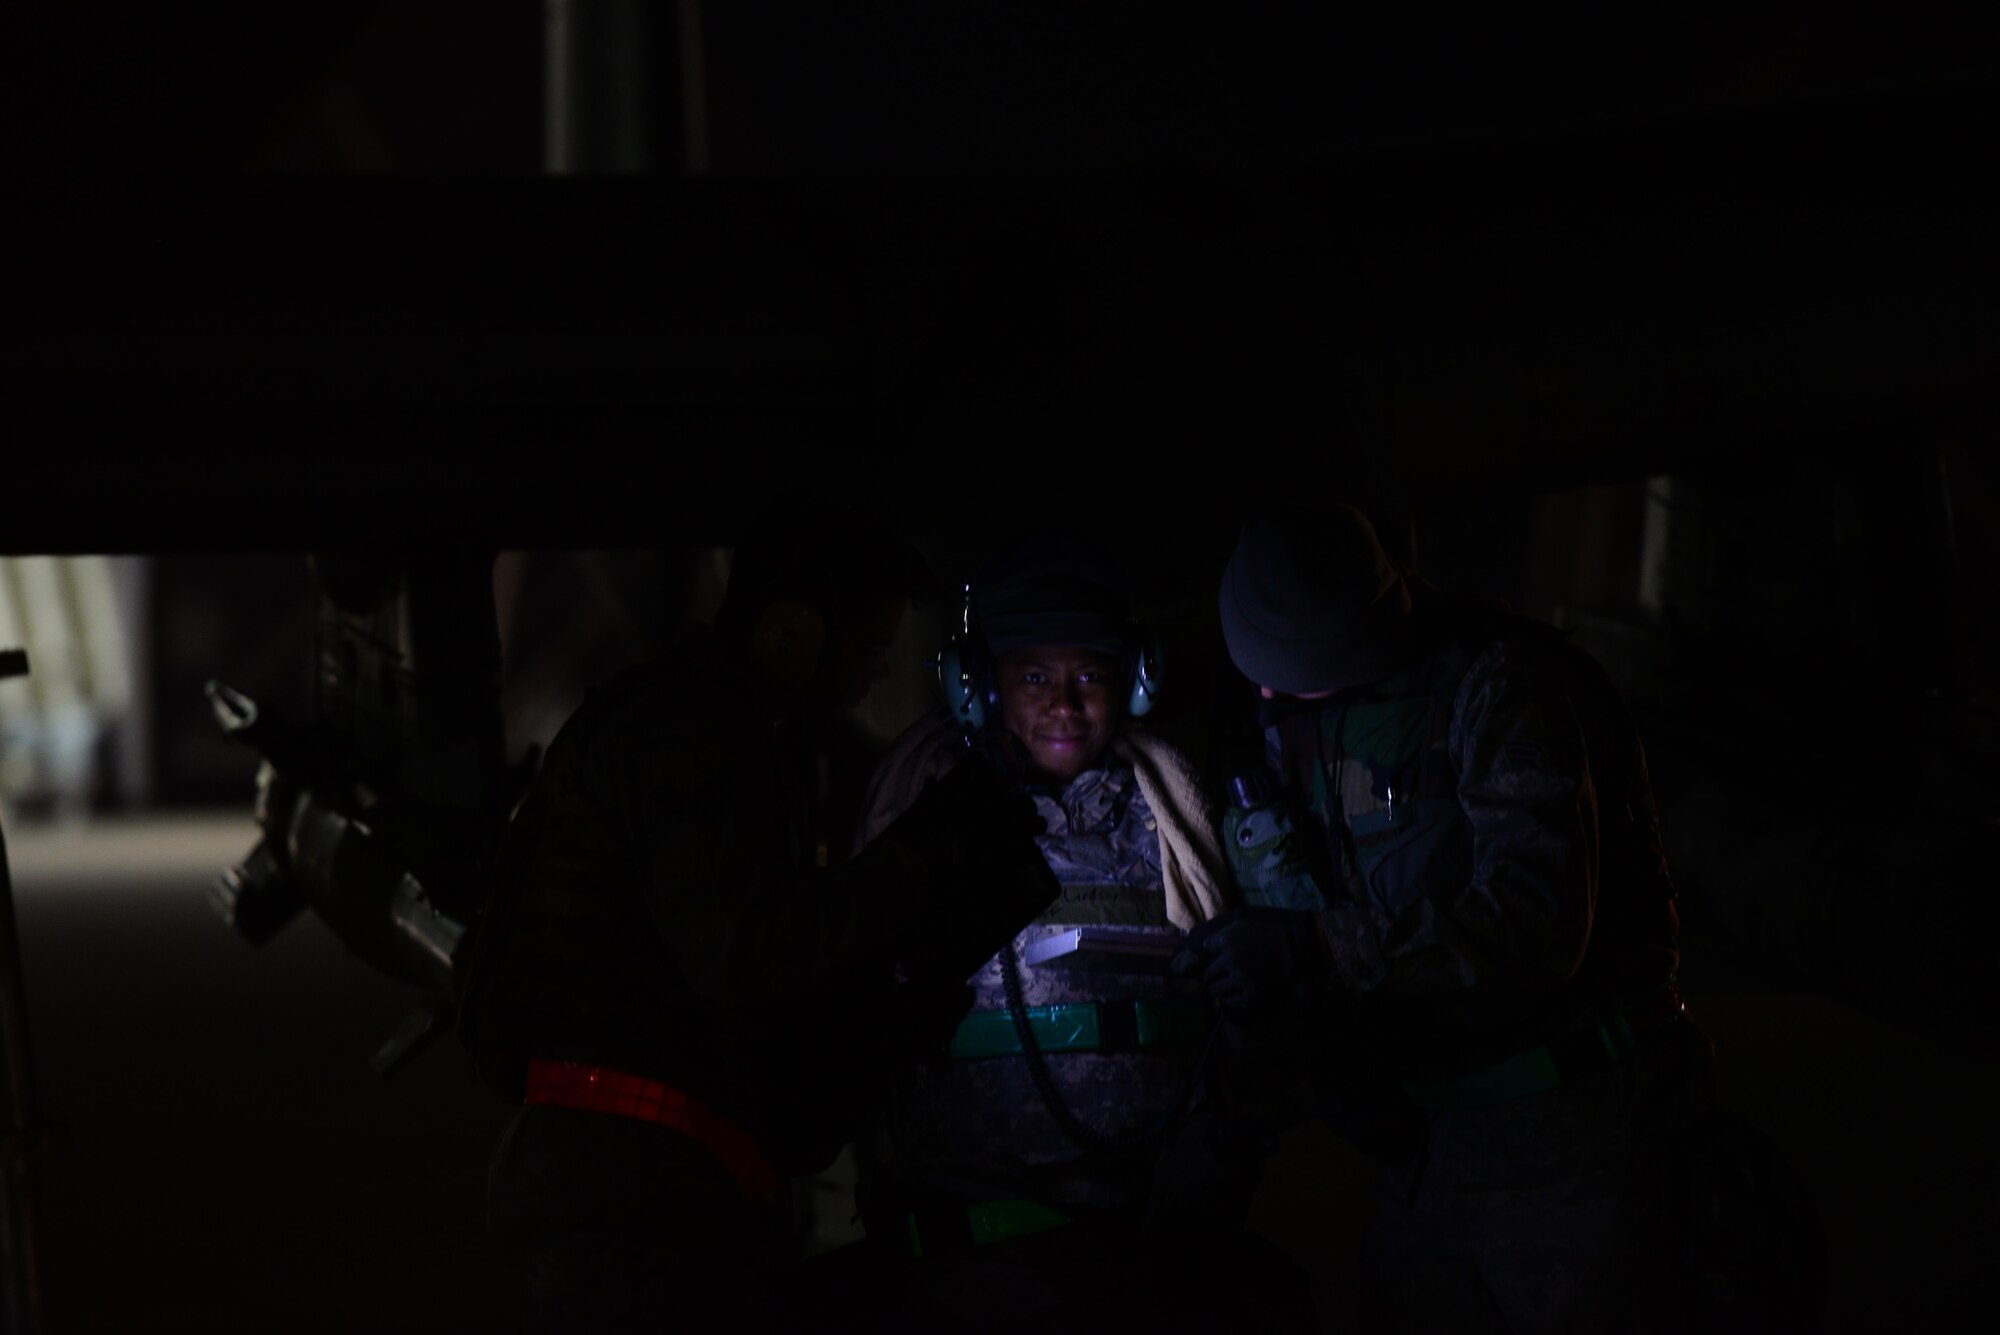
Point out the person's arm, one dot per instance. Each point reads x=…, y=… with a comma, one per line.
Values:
x=742, y=920
x=1521, y=913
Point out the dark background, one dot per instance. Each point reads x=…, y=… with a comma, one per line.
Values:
x=1680, y=331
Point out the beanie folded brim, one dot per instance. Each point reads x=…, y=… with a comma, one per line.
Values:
x=1283, y=635
x=1094, y=631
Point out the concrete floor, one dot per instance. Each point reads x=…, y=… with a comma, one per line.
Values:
x=234, y=1165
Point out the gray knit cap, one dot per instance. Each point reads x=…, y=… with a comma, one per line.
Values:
x=1311, y=602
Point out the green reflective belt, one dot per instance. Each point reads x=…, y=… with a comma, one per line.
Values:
x=984, y=1223
x=1091, y=1026
x=1539, y=1070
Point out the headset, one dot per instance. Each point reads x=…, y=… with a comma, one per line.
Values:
x=971, y=688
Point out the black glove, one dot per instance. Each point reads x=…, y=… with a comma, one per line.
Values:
x=974, y=836
x=1253, y=961
x=924, y=1014
x=967, y=818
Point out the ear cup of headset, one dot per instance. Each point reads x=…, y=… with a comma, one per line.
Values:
x=965, y=675
x=786, y=643
x=965, y=681
x=1145, y=677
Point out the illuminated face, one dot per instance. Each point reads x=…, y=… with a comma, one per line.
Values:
x=1060, y=703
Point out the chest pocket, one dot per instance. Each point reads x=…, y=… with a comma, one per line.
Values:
x=1389, y=764
x=1432, y=852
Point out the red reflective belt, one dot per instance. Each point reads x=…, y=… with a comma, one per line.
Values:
x=601, y=1089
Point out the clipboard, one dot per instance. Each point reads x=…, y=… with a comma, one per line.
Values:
x=1106, y=948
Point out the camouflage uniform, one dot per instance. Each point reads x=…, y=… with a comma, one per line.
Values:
x=977, y=1129
x=1498, y=886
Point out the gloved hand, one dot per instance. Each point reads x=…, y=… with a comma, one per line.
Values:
x=925, y=1014
x=968, y=818
x=1253, y=961
x=983, y=877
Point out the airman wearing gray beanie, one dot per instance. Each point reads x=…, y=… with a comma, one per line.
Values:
x=1311, y=603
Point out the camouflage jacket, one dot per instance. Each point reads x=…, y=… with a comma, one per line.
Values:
x=978, y=1127
x=1498, y=870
